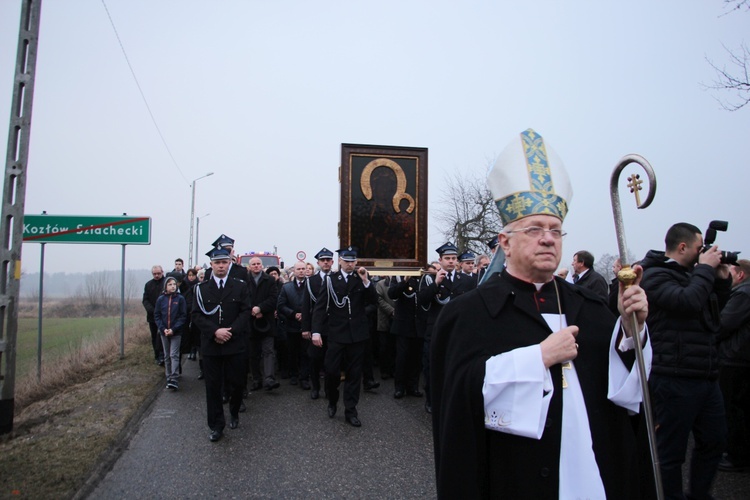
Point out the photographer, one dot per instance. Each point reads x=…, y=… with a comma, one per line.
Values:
x=687, y=286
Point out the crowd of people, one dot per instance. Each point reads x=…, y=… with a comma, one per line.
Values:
x=528, y=370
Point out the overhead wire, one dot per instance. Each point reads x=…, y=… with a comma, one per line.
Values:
x=143, y=95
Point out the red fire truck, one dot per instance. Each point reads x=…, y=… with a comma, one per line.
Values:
x=267, y=258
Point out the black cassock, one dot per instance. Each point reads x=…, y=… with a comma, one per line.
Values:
x=501, y=315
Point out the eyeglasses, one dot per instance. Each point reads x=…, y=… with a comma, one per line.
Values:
x=537, y=232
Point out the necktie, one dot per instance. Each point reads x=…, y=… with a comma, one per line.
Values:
x=346, y=278
x=450, y=277
x=221, y=284
x=575, y=278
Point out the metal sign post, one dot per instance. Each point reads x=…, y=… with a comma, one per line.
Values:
x=92, y=229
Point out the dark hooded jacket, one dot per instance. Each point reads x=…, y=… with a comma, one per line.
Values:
x=683, y=316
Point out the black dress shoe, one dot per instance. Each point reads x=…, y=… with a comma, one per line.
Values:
x=256, y=385
x=331, y=411
x=415, y=392
x=200, y=375
x=304, y=385
x=314, y=394
x=371, y=384
x=234, y=422
x=271, y=385
x=215, y=436
x=243, y=408
x=293, y=381
x=728, y=465
x=428, y=407
x=353, y=421
x=398, y=394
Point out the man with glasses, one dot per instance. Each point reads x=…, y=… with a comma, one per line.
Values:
x=533, y=381
x=154, y=287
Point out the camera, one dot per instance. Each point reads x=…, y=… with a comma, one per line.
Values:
x=719, y=225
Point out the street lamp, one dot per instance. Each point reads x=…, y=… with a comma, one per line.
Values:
x=197, y=234
x=192, y=219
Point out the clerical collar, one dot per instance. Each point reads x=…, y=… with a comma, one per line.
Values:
x=525, y=285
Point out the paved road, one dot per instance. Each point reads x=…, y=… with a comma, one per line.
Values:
x=285, y=447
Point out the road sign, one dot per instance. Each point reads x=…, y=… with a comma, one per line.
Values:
x=301, y=255
x=102, y=229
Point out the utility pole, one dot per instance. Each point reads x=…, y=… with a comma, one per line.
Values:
x=14, y=198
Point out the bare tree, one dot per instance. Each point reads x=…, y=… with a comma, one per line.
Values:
x=736, y=79
x=99, y=291
x=468, y=214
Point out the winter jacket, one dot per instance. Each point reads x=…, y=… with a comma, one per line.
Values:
x=683, y=318
x=170, y=312
x=734, y=338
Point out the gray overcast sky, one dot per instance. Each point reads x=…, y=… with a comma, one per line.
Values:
x=264, y=93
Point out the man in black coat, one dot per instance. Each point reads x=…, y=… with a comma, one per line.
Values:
x=687, y=288
x=264, y=293
x=289, y=307
x=313, y=288
x=340, y=308
x=585, y=276
x=221, y=311
x=433, y=294
x=409, y=338
x=734, y=369
x=151, y=291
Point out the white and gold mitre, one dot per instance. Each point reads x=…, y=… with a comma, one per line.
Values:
x=529, y=179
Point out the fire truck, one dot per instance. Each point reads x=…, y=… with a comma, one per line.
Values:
x=267, y=258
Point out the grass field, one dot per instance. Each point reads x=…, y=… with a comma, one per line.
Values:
x=60, y=336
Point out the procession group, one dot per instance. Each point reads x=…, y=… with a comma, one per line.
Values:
x=531, y=377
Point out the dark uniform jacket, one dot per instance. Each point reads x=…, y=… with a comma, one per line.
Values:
x=404, y=294
x=683, y=316
x=234, y=302
x=264, y=294
x=499, y=316
x=734, y=339
x=432, y=296
x=313, y=288
x=347, y=324
x=291, y=301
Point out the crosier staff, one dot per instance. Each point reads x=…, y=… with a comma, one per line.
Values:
x=627, y=276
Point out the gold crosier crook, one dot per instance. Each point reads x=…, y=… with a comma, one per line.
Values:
x=627, y=276
x=400, y=194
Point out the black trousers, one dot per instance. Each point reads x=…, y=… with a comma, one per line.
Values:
x=156, y=341
x=349, y=358
x=216, y=369
x=734, y=382
x=317, y=357
x=298, y=362
x=408, y=355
